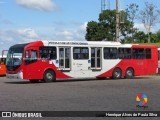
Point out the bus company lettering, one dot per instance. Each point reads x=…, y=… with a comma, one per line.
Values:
x=69, y=43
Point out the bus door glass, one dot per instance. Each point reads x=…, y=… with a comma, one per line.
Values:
x=96, y=62
x=64, y=58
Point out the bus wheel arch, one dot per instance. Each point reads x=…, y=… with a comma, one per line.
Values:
x=49, y=75
x=117, y=73
x=129, y=73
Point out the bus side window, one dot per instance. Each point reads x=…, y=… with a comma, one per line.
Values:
x=80, y=53
x=141, y=53
x=138, y=53
x=121, y=53
x=148, y=53
x=48, y=53
x=110, y=53
x=124, y=53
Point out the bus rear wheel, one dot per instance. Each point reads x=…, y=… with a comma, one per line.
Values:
x=117, y=73
x=49, y=76
x=129, y=73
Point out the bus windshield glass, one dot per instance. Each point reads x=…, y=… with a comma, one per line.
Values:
x=14, y=57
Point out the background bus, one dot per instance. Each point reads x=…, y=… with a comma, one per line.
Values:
x=49, y=60
x=3, y=63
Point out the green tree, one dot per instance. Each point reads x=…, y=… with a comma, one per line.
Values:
x=92, y=29
x=140, y=37
x=153, y=37
x=158, y=35
x=131, y=14
x=105, y=29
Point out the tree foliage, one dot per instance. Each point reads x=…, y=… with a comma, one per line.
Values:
x=149, y=16
x=131, y=14
x=105, y=28
x=140, y=37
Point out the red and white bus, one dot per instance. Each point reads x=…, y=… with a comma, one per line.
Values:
x=51, y=60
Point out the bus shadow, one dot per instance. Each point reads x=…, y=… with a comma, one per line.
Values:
x=142, y=77
x=57, y=81
x=94, y=79
x=2, y=75
x=20, y=82
x=77, y=80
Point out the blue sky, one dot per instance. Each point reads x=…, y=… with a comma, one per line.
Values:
x=30, y=20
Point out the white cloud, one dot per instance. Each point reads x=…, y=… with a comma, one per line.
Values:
x=27, y=33
x=64, y=33
x=16, y=36
x=84, y=25
x=23, y=35
x=141, y=27
x=42, y=5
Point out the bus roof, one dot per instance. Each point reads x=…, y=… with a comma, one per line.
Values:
x=83, y=43
x=79, y=44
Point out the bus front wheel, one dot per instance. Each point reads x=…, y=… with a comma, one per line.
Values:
x=117, y=73
x=129, y=73
x=49, y=76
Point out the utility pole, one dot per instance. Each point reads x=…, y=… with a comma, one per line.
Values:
x=117, y=21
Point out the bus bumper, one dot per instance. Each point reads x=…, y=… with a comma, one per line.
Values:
x=19, y=75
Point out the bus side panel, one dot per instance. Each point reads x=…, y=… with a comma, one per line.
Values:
x=2, y=70
x=36, y=70
x=152, y=64
x=139, y=67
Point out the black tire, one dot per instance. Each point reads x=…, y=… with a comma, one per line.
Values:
x=34, y=81
x=49, y=76
x=117, y=73
x=129, y=73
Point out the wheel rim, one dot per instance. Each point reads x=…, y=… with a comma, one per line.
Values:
x=117, y=74
x=129, y=73
x=49, y=76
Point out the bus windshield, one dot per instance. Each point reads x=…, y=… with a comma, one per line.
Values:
x=14, y=57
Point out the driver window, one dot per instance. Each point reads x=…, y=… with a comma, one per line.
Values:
x=27, y=54
x=31, y=56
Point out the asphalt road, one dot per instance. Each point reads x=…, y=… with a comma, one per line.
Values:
x=79, y=95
